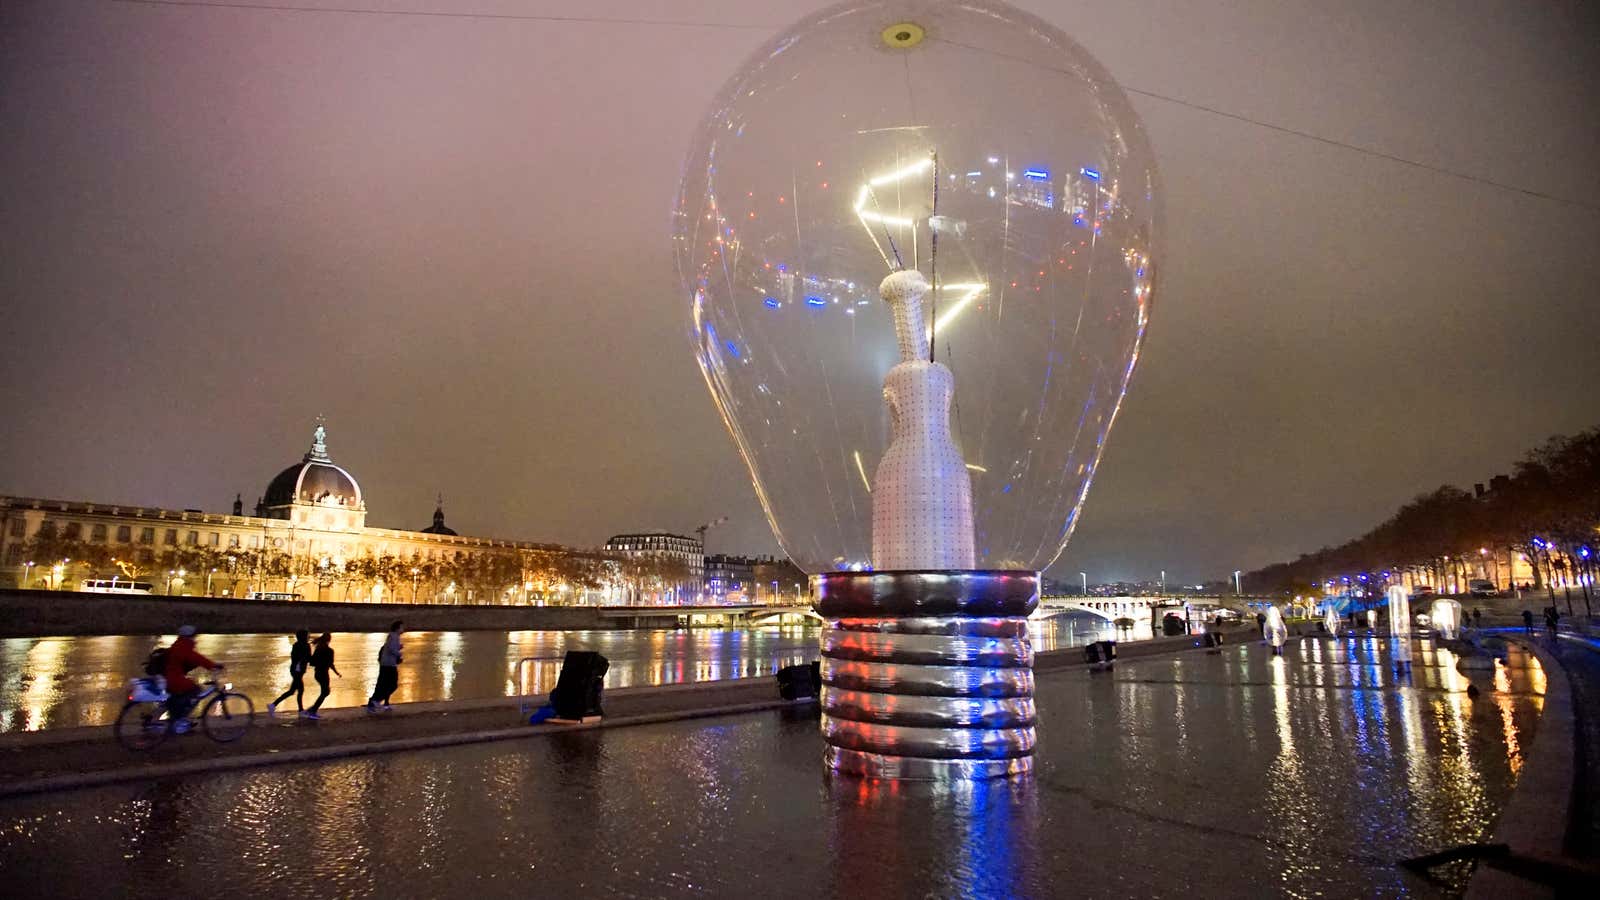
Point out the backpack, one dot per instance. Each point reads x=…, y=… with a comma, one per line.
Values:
x=156, y=664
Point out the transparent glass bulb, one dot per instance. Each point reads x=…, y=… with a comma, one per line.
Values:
x=979, y=146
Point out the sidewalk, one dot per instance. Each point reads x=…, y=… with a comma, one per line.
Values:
x=67, y=758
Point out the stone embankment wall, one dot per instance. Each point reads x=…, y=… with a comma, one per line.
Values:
x=45, y=613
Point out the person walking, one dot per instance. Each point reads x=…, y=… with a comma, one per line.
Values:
x=1527, y=621
x=1477, y=618
x=1551, y=617
x=388, y=669
x=299, y=657
x=321, y=662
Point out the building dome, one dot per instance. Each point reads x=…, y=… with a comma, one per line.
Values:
x=438, y=526
x=314, y=481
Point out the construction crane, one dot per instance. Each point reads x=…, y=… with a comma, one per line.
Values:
x=707, y=527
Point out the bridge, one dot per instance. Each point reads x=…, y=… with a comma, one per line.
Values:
x=1114, y=608
x=691, y=616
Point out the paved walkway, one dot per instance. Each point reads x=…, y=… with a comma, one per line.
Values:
x=74, y=757
x=1187, y=774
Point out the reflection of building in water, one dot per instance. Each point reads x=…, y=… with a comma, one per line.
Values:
x=309, y=536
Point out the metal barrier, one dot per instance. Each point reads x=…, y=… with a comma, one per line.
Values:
x=522, y=696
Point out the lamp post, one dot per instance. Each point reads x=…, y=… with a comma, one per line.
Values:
x=1163, y=582
x=1085, y=577
x=1238, y=585
x=27, y=571
x=209, y=576
x=415, y=574
x=170, y=573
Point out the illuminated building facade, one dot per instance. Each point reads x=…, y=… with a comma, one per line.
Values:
x=665, y=567
x=308, y=536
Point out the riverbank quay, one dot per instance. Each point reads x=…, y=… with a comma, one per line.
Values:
x=67, y=758
x=1238, y=773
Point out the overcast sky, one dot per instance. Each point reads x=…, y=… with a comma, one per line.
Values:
x=450, y=237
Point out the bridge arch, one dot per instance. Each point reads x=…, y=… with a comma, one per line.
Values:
x=778, y=616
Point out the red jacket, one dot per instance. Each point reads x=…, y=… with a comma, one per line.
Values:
x=182, y=657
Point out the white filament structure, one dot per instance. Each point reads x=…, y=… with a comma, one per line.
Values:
x=922, y=494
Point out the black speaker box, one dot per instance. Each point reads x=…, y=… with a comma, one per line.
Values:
x=577, y=693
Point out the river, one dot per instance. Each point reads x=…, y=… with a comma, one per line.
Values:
x=62, y=682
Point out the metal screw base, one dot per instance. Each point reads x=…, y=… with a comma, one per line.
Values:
x=928, y=675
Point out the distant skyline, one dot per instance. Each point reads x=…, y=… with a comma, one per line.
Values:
x=449, y=236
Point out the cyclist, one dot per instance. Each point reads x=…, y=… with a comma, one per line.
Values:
x=181, y=657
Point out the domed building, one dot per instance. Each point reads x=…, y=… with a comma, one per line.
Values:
x=310, y=522
x=438, y=526
x=315, y=493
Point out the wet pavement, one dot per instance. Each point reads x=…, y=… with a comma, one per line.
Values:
x=61, y=682
x=1228, y=774
x=1580, y=659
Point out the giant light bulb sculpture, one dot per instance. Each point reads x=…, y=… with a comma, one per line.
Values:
x=917, y=242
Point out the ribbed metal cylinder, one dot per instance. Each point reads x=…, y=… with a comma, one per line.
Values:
x=928, y=675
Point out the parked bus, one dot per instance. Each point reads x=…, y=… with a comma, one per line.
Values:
x=115, y=586
x=273, y=595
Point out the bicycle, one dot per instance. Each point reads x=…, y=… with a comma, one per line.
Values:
x=145, y=721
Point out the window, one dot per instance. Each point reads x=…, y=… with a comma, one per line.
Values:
x=19, y=528
x=98, y=534
x=255, y=542
x=170, y=538
x=147, y=556
x=213, y=539
x=193, y=539
x=124, y=534
x=13, y=554
x=147, y=535
x=47, y=528
x=233, y=540
x=74, y=531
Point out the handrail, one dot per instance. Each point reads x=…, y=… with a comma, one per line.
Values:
x=522, y=697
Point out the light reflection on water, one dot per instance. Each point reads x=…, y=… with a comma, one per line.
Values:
x=1339, y=777
x=70, y=681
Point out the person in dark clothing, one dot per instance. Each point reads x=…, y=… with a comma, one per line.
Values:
x=321, y=662
x=1527, y=621
x=1261, y=624
x=1477, y=617
x=388, y=670
x=1551, y=617
x=299, y=656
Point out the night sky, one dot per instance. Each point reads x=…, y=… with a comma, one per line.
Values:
x=450, y=237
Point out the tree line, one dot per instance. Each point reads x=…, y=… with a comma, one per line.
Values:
x=552, y=576
x=1546, y=512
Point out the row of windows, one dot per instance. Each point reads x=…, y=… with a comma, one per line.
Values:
x=98, y=533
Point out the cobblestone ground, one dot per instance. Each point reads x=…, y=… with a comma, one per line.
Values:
x=1196, y=775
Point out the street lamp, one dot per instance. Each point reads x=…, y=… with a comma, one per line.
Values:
x=1238, y=585
x=415, y=574
x=170, y=573
x=1163, y=582
x=27, y=571
x=1085, y=577
x=209, y=576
